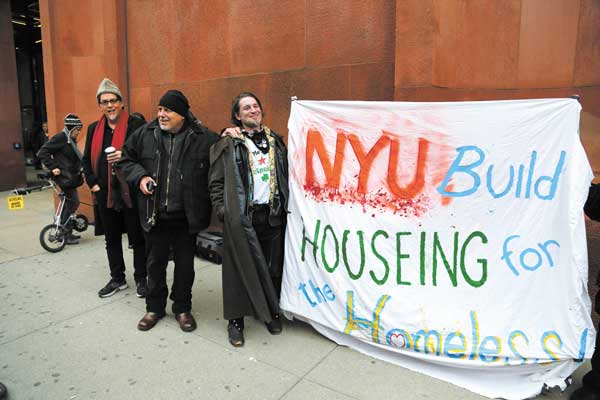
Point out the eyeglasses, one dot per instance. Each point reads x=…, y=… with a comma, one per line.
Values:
x=111, y=101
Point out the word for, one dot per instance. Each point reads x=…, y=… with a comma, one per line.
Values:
x=522, y=188
x=456, y=344
x=330, y=247
x=321, y=295
x=529, y=253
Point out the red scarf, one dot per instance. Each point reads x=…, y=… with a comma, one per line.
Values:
x=117, y=142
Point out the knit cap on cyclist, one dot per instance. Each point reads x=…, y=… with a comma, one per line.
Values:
x=72, y=121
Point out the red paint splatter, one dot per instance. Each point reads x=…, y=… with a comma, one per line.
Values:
x=380, y=200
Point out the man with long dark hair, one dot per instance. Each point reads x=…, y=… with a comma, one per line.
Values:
x=249, y=190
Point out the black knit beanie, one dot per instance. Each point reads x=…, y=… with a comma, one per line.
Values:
x=174, y=100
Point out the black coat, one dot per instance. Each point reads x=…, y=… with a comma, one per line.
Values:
x=247, y=285
x=92, y=179
x=141, y=157
x=58, y=153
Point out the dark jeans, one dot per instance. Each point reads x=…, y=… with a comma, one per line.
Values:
x=71, y=203
x=114, y=224
x=166, y=234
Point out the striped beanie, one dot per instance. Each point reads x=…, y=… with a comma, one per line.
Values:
x=72, y=121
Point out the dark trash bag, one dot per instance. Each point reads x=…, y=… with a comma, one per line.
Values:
x=209, y=246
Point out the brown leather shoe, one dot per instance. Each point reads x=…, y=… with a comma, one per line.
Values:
x=186, y=320
x=149, y=320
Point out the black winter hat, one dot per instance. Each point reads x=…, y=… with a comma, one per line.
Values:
x=174, y=100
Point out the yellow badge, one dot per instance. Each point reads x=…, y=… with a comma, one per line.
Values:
x=15, y=202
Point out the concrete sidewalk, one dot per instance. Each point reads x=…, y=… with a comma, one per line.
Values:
x=59, y=340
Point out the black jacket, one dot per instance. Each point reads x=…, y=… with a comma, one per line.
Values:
x=102, y=168
x=278, y=209
x=58, y=153
x=142, y=153
x=91, y=178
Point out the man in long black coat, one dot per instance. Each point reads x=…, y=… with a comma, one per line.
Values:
x=249, y=191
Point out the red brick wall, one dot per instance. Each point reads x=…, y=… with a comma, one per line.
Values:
x=211, y=51
x=488, y=50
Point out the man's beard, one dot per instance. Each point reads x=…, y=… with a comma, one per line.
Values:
x=252, y=124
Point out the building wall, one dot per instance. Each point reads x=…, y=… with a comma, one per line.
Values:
x=12, y=161
x=498, y=50
x=433, y=50
x=276, y=48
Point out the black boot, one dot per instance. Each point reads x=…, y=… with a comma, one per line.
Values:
x=235, y=330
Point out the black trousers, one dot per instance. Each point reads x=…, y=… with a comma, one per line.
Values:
x=114, y=224
x=271, y=243
x=165, y=234
x=71, y=203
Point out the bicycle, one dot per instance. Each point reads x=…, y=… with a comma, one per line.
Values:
x=53, y=237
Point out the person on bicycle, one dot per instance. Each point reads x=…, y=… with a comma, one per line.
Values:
x=62, y=157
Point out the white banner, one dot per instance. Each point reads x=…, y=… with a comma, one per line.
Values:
x=445, y=237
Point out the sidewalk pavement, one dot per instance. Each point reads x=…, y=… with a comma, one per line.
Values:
x=59, y=340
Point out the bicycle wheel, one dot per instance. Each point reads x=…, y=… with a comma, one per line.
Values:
x=81, y=223
x=52, y=239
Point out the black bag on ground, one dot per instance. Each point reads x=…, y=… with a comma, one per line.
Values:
x=209, y=245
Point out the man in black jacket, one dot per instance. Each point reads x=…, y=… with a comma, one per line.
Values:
x=115, y=209
x=249, y=190
x=591, y=380
x=62, y=157
x=167, y=159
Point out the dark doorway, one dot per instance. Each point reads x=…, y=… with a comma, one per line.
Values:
x=27, y=30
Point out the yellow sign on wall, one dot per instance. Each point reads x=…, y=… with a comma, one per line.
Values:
x=15, y=202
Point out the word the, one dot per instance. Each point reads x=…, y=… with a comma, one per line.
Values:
x=522, y=188
x=322, y=296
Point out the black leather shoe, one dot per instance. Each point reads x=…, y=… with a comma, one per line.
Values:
x=186, y=320
x=274, y=326
x=585, y=393
x=149, y=320
x=235, y=330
